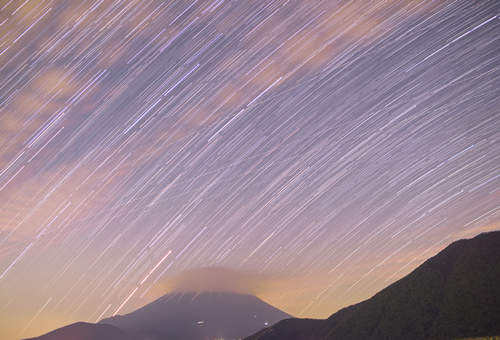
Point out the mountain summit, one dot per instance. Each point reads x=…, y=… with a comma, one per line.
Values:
x=455, y=294
x=193, y=316
x=180, y=316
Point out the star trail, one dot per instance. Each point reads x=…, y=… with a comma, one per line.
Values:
x=326, y=147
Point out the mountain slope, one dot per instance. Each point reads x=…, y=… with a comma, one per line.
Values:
x=454, y=294
x=193, y=316
x=86, y=331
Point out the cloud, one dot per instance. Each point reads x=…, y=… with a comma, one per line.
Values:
x=290, y=293
x=217, y=279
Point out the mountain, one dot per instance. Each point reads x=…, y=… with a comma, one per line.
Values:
x=193, y=316
x=180, y=316
x=455, y=294
x=86, y=331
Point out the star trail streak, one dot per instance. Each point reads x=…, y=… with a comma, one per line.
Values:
x=332, y=145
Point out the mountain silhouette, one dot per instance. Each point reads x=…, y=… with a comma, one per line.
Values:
x=455, y=294
x=193, y=316
x=86, y=331
x=180, y=316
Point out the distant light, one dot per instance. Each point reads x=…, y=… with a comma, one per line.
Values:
x=266, y=323
x=201, y=322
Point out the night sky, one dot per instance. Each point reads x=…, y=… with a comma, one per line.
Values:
x=308, y=152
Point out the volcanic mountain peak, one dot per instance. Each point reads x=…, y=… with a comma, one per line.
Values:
x=195, y=315
x=180, y=316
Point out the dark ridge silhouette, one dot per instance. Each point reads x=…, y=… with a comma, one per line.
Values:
x=86, y=331
x=199, y=316
x=455, y=294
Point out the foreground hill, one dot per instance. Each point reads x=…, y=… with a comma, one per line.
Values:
x=86, y=331
x=455, y=294
x=193, y=316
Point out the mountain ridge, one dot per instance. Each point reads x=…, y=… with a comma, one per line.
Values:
x=453, y=294
x=86, y=331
